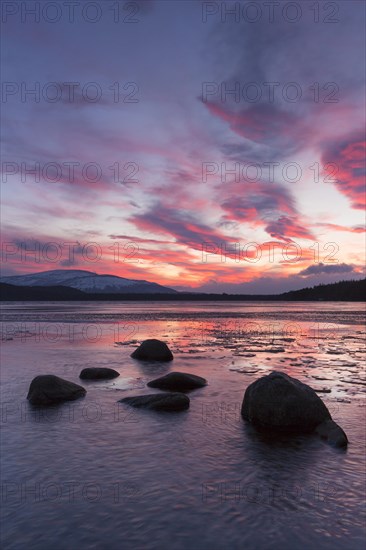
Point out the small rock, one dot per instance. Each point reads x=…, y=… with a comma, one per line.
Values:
x=153, y=350
x=178, y=381
x=332, y=433
x=353, y=382
x=48, y=389
x=159, y=401
x=244, y=371
x=275, y=349
x=98, y=373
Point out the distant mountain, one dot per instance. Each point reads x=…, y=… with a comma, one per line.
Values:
x=344, y=291
x=87, y=281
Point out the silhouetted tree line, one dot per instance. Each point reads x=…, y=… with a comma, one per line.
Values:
x=343, y=291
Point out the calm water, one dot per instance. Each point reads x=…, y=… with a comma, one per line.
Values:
x=95, y=474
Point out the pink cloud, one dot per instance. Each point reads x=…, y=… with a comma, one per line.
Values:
x=348, y=156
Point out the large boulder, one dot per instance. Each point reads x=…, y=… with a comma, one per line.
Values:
x=48, y=389
x=98, y=373
x=159, y=401
x=280, y=402
x=178, y=381
x=152, y=350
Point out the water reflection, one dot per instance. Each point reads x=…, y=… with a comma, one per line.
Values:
x=203, y=478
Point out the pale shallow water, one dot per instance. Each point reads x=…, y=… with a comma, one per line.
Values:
x=96, y=474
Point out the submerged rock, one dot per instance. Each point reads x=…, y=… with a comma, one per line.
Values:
x=279, y=402
x=153, y=350
x=331, y=432
x=159, y=401
x=178, y=381
x=98, y=373
x=48, y=389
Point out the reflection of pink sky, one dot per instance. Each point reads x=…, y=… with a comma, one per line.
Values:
x=236, y=337
x=127, y=322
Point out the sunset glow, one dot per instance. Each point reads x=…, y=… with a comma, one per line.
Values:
x=186, y=151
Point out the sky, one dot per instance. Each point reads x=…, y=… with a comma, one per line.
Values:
x=206, y=146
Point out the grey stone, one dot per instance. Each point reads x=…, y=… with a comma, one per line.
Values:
x=279, y=402
x=159, y=401
x=152, y=350
x=48, y=389
x=98, y=373
x=178, y=381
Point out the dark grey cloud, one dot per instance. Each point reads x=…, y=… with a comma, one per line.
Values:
x=348, y=158
x=330, y=268
x=281, y=52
